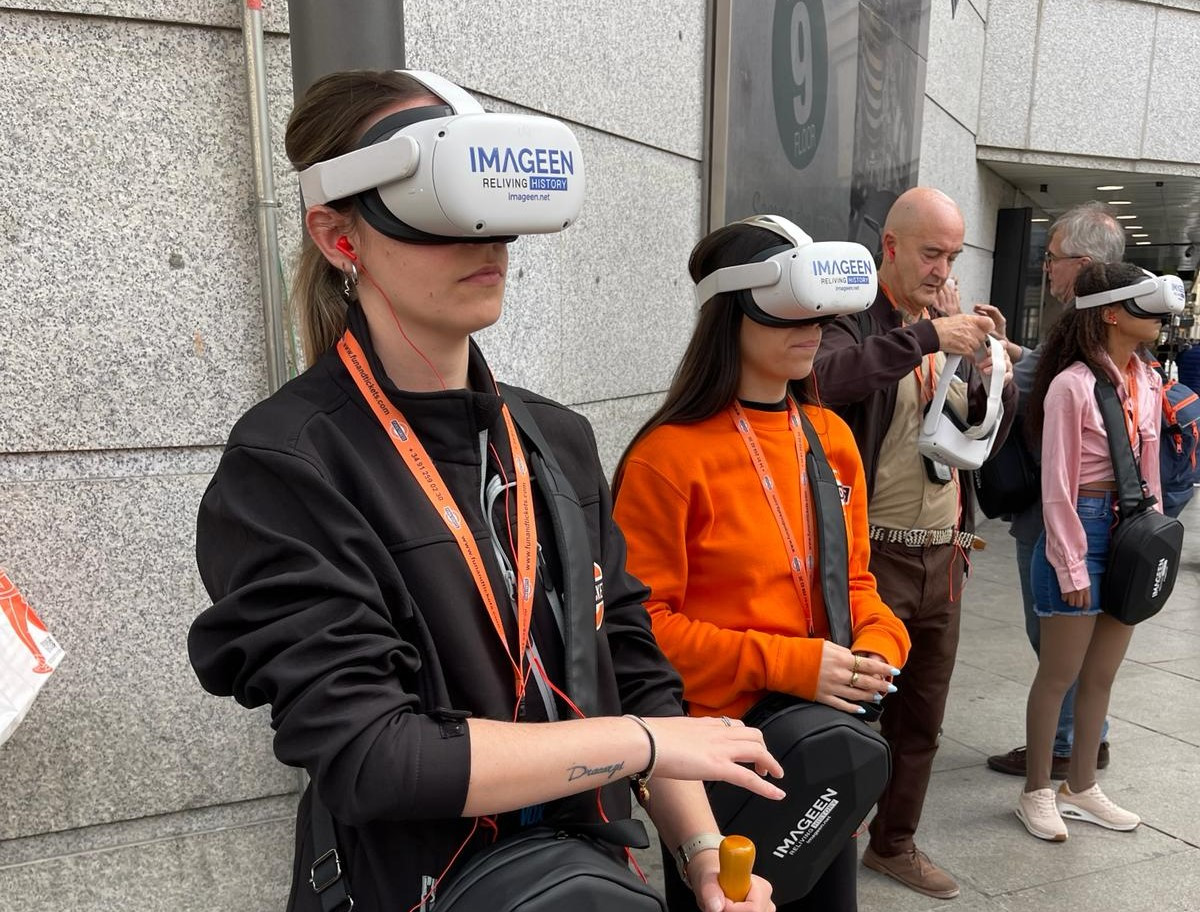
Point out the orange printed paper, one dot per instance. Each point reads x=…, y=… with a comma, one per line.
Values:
x=28, y=656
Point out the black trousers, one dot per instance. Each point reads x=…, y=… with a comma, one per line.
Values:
x=835, y=891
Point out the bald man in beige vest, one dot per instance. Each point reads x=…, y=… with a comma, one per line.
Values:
x=878, y=370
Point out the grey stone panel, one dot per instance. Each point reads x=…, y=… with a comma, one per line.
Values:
x=603, y=310
x=138, y=323
x=566, y=305
x=194, y=12
x=954, y=71
x=1007, y=77
x=948, y=163
x=122, y=730
x=246, y=868
x=628, y=305
x=630, y=68
x=105, y=837
x=1172, y=116
x=615, y=422
x=1090, y=94
x=73, y=466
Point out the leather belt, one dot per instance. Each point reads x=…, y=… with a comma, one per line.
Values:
x=922, y=538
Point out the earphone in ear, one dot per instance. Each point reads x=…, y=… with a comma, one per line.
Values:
x=343, y=244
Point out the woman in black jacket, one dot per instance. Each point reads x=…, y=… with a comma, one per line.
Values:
x=374, y=532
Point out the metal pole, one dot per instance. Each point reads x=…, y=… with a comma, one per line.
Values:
x=267, y=206
x=328, y=36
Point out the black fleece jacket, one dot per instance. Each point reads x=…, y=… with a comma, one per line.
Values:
x=341, y=600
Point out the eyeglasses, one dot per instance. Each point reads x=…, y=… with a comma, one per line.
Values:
x=1049, y=257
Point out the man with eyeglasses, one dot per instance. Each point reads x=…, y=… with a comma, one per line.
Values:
x=1081, y=235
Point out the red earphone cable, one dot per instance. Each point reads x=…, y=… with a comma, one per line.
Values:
x=411, y=344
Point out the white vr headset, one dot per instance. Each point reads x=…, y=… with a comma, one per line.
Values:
x=943, y=437
x=452, y=172
x=801, y=280
x=1159, y=297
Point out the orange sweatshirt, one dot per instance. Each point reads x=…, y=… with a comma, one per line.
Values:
x=701, y=535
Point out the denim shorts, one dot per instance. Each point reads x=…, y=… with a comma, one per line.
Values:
x=1096, y=514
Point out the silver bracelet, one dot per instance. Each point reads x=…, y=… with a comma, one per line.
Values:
x=641, y=780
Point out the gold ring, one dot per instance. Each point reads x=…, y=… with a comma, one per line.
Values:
x=857, y=659
x=854, y=679
x=726, y=721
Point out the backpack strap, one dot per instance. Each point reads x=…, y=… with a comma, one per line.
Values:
x=832, y=546
x=1131, y=487
x=573, y=547
x=327, y=877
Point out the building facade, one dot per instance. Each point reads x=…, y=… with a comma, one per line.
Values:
x=133, y=335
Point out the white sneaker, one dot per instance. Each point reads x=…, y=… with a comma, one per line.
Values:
x=1095, y=807
x=1039, y=813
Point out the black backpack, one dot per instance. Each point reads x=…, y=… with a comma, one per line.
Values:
x=835, y=766
x=1010, y=481
x=1143, y=554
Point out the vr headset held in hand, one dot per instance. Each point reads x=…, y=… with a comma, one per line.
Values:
x=1154, y=297
x=449, y=173
x=797, y=282
x=944, y=438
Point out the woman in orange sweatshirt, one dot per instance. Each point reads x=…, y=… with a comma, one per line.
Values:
x=712, y=500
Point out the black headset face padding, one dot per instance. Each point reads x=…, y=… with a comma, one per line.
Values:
x=1132, y=309
x=371, y=204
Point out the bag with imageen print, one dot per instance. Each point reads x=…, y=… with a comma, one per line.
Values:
x=28, y=656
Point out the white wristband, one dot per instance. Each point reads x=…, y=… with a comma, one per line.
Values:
x=693, y=847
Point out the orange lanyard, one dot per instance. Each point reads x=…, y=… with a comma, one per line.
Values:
x=926, y=385
x=801, y=567
x=1132, y=423
x=423, y=470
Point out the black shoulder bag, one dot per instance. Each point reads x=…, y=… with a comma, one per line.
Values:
x=1010, y=481
x=1143, y=554
x=540, y=869
x=835, y=766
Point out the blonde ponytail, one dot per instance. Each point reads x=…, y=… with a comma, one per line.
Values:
x=326, y=123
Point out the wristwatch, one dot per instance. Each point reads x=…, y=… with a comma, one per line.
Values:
x=693, y=847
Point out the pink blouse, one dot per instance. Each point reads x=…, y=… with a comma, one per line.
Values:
x=1075, y=453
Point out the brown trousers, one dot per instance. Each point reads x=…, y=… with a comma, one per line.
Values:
x=923, y=587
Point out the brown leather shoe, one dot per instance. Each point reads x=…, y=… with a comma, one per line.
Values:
x=1013, y=763
x=913, y=869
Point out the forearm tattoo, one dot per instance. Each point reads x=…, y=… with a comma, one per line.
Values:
x=580, y=770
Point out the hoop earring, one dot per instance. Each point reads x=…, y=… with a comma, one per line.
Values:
x=350, y=283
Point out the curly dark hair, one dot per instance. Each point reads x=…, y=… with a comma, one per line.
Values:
x=1078, y=335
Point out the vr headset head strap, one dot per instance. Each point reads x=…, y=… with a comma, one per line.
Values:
x=1153, y=297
